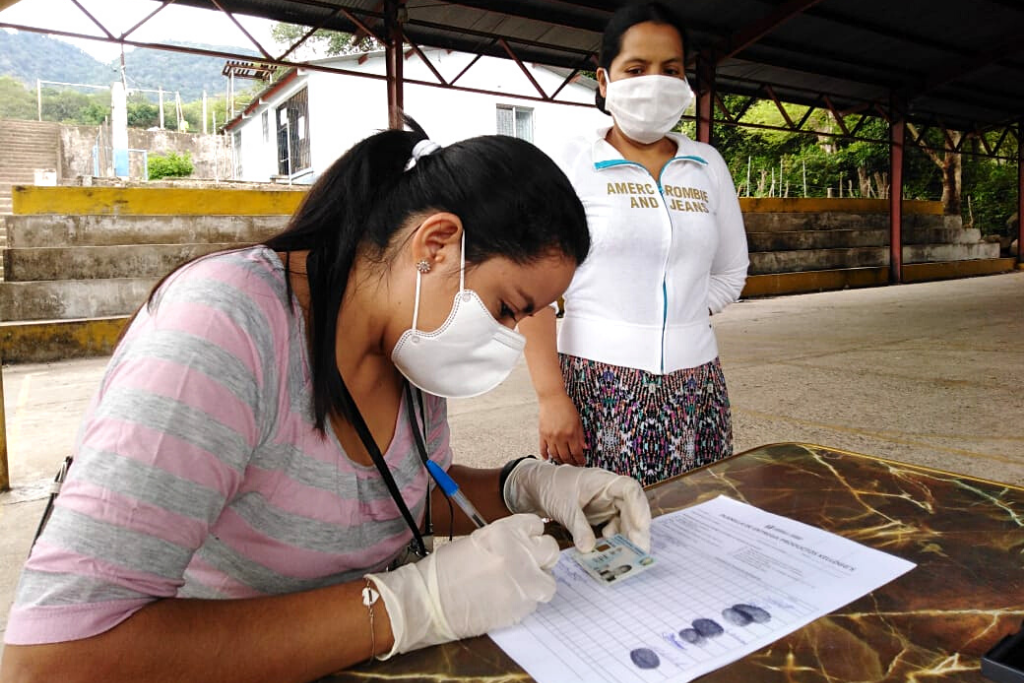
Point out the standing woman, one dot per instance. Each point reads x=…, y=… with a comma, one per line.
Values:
x=256, y=458
x=634, y=384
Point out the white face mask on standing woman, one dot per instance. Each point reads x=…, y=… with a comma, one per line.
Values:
x=647, y=107
x=470, y=354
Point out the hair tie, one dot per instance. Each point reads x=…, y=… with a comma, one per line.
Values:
x=423, y=148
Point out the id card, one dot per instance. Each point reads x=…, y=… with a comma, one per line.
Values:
x=613, y=560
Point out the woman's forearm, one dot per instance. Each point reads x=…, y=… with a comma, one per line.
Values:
x=480, y=486
x=297, y=637
x=542, y=353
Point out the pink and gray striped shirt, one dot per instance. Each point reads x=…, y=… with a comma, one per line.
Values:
x=198, y=472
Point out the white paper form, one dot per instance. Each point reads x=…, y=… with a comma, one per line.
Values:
x=729, y=579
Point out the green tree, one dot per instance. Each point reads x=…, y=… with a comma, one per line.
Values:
x=71, y=106
x=331, y=42
x=16, y=101
x=142, y=113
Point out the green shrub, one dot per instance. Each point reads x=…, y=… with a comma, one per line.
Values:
x=993, y=196
x=171, y=166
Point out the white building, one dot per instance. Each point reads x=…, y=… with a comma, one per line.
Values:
x=297, y=127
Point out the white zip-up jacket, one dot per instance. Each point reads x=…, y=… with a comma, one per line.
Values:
x=662, y=254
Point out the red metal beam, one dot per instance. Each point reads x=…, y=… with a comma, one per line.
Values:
x=242, y=29
x=394, y=61
x=778, y=105
x=807, y=114
x=705, y=97
x=504, y=44
x=426, y=60
x=568, y=79
x=146, y=18
x=984, y=141
x=720, y=104
x=361, y=26
x=897, y=129
x=1020, y=193
x=308, y=34
x=307, y=66
x=93, y=19
x=838, y=116
x=752, y=33
x=468, y=67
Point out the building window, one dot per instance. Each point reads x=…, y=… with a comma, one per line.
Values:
x=293, y=135
x=515, y=121
x=265, y=118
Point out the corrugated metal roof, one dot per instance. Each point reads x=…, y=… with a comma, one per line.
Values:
x=959, y=63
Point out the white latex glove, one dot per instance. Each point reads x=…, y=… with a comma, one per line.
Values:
x=581, y=497
x=491, y=579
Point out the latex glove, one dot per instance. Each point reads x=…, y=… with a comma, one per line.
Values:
x=579, y=497
x=488, y=580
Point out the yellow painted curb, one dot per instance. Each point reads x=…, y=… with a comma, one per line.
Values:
x=51, y=340
x=818, y=205
x=147, y=201
x=951, y=270
x=814, y=281
x=829, y=280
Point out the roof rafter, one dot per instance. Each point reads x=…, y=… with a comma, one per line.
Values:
x=750, y=34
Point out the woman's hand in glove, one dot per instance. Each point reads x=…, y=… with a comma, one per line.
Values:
x=491, y=579
x=581, y=497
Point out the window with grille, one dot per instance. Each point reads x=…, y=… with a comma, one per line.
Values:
x=515, y=121
x=265, y=118
x=293, y=134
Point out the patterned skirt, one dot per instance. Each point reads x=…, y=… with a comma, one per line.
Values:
x=647, y=426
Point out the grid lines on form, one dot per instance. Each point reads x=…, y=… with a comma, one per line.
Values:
x=728, y=579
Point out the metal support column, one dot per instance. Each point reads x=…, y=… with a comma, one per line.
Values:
x=897, y=131
x=394, y=59
x=705, y=96
x=1020, y=194
x=5, y=473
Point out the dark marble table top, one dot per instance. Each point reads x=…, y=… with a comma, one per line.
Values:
x=931, y=624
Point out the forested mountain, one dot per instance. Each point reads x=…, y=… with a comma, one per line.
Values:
x=27, y=56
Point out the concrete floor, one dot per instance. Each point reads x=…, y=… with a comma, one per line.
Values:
x=931, y=374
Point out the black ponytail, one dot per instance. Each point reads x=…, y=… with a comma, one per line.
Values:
x=513, y=201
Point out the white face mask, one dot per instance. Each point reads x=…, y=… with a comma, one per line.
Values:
x=647, y=107
x=470, y=354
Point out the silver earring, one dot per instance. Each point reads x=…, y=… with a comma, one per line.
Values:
x=423, y=266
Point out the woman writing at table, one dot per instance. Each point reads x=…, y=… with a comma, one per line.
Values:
x=255, y=458
x=634, y=384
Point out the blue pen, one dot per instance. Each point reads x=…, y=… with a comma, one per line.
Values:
x=451, y=489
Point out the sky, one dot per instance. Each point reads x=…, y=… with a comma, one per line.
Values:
x=172, y=23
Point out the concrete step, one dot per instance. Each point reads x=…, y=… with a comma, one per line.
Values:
x=17, y=152
x=29, y=140
x=50, y=230
x=21, y=176
x=109, y=262
x=771, y=262
x=789, y=240
x=64, y=299
x=40, y=142
x=832, y=220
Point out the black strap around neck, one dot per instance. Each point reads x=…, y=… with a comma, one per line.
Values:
x=378, y=459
